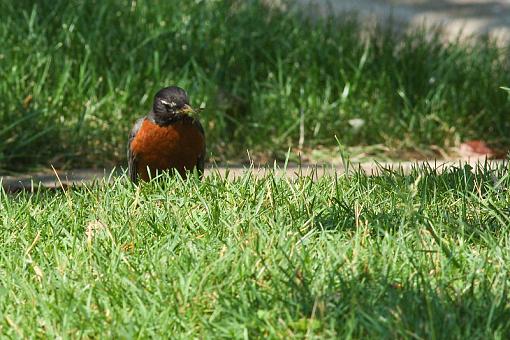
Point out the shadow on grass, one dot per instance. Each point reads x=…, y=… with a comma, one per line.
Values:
x=368, y=304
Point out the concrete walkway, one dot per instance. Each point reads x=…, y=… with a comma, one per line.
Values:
x=465, y=17
x=79, y=177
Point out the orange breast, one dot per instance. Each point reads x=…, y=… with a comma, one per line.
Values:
x=176, y=146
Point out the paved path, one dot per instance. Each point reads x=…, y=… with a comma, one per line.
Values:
x=51, y=179
x=469, y=17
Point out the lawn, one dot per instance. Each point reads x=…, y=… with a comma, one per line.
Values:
x=423, y=255
x=74, y=75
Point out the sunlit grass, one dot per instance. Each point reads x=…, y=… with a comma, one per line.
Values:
x=416, y=256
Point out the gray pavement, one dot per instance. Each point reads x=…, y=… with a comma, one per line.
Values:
x=457, y=17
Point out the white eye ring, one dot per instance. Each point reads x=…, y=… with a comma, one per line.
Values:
x=171, y=104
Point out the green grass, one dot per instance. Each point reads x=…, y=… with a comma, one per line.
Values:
x=415, y=256
x=92, y=67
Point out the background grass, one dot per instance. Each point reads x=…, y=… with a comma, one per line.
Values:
x=74, y=76
x=394, y=256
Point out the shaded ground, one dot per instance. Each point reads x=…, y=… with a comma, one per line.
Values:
x=465, y=17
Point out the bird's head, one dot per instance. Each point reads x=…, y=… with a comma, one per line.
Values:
x=171, y=104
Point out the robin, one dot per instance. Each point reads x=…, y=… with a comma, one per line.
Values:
x=169, y=137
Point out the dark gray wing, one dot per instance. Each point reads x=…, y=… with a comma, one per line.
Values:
x=201, y=158
x=131, y=157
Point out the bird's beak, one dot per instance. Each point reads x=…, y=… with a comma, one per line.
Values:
x=187, y=109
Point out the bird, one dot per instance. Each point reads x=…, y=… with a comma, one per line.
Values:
x=169, y=137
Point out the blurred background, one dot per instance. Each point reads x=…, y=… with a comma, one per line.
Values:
x=370, y=78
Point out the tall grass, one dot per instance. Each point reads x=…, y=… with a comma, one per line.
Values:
x=92, y=67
